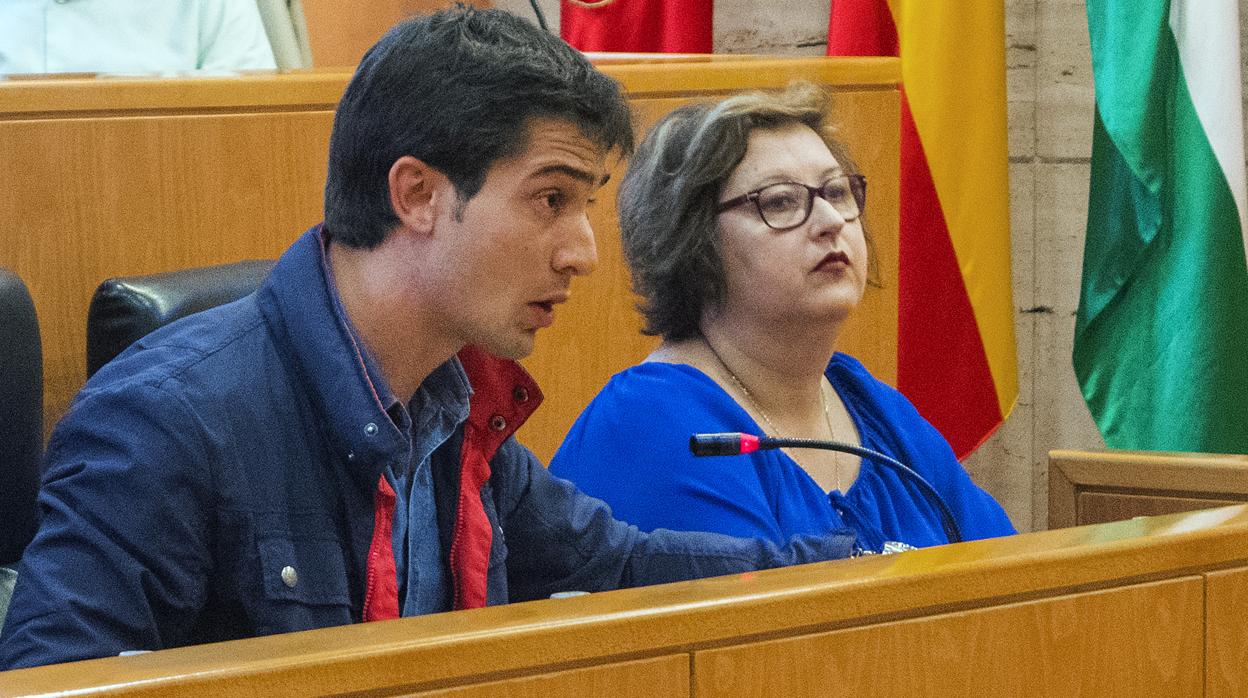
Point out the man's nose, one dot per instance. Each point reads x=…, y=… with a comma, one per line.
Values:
x=578, y=255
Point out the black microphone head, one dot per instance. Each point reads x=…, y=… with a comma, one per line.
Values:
x=721, y=444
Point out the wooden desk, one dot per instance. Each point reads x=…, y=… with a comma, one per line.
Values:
x=1150, y=607
x=1087, y=487
x=116, y=177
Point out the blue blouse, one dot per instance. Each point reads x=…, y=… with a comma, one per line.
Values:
x=630, y=447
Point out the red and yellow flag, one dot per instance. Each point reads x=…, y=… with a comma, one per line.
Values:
x=955, y=345
x=654, y=26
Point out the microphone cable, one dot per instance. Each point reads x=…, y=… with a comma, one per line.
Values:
x=736, y=443
x=541, y=16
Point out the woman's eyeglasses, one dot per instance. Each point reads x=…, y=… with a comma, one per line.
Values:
x=786, y=205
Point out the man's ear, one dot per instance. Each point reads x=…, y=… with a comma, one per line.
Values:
x=416, y=190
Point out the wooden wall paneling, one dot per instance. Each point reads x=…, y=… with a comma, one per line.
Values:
x=661, y=677
x=859, y=116
x=1132, y=642
x=340, y=32
x=1226, y=634
x=120, y=196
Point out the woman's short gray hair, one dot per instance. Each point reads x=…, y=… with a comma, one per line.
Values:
x=668, y=196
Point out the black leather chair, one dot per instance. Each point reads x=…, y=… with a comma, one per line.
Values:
x=126, y=308
x=21, y=416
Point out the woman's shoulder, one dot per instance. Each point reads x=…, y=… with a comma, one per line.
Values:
x=673, y=382
x=638, y=426
x=848, y=373
x=870, y=397
x=651, y=398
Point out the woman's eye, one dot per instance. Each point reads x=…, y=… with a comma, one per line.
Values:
x=837, y=193
x=778, y=202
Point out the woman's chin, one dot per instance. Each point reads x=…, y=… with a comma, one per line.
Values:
x=833, y=307
x=813, y=318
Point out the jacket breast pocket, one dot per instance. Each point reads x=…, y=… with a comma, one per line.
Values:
x=305, y=584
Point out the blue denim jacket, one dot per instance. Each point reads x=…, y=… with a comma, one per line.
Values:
x=217, y=481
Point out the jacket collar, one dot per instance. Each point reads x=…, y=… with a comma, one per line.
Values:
x=301, y=306
x=505, y=395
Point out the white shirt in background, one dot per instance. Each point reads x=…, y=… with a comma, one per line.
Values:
x=131, y=36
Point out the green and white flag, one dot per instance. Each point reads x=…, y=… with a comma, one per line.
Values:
x=1161, y=337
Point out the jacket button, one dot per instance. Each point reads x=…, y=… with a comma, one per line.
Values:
x=370, y=429
x=289, y=576
x=498, y=423
x=520, y=393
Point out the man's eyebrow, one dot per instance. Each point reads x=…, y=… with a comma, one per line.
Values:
x=573, y=172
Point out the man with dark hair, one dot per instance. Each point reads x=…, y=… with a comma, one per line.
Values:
x=337, y=447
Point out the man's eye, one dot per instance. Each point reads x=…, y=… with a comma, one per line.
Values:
x=554, y=200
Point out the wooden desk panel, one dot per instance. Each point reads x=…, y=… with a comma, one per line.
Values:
x=1103, y=599
x=1088, y=487
x=1226, y=634
x=1102, y=507
x=663, y=677
x=1133, y=642
x=116, y=177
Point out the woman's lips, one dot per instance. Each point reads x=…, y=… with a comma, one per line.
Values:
x=832, y=262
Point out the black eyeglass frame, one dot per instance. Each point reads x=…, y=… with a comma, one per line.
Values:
x=857, y=189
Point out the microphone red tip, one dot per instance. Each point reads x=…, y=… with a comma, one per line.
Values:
x=749, y=443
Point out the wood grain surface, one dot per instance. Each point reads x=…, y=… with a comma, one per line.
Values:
x=1078, y=611
x=1134, y=642
x=340, y=32
x=1101, y=507
x=661, y=677
x=1087, y=487
x=1226, y=634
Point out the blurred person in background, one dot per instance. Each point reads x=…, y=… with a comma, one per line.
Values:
x=132, y=36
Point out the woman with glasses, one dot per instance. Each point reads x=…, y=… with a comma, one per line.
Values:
x=742, y=223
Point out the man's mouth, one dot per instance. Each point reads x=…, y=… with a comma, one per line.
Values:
x=543, y=311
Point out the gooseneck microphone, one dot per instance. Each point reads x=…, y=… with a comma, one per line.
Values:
x=734, y=443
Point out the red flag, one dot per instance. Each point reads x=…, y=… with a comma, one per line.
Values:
x=955, y=336
x=651, y=26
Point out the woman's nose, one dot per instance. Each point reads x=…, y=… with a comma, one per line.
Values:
x=824, y=217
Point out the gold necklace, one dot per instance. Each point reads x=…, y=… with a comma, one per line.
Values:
x=823, y=399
